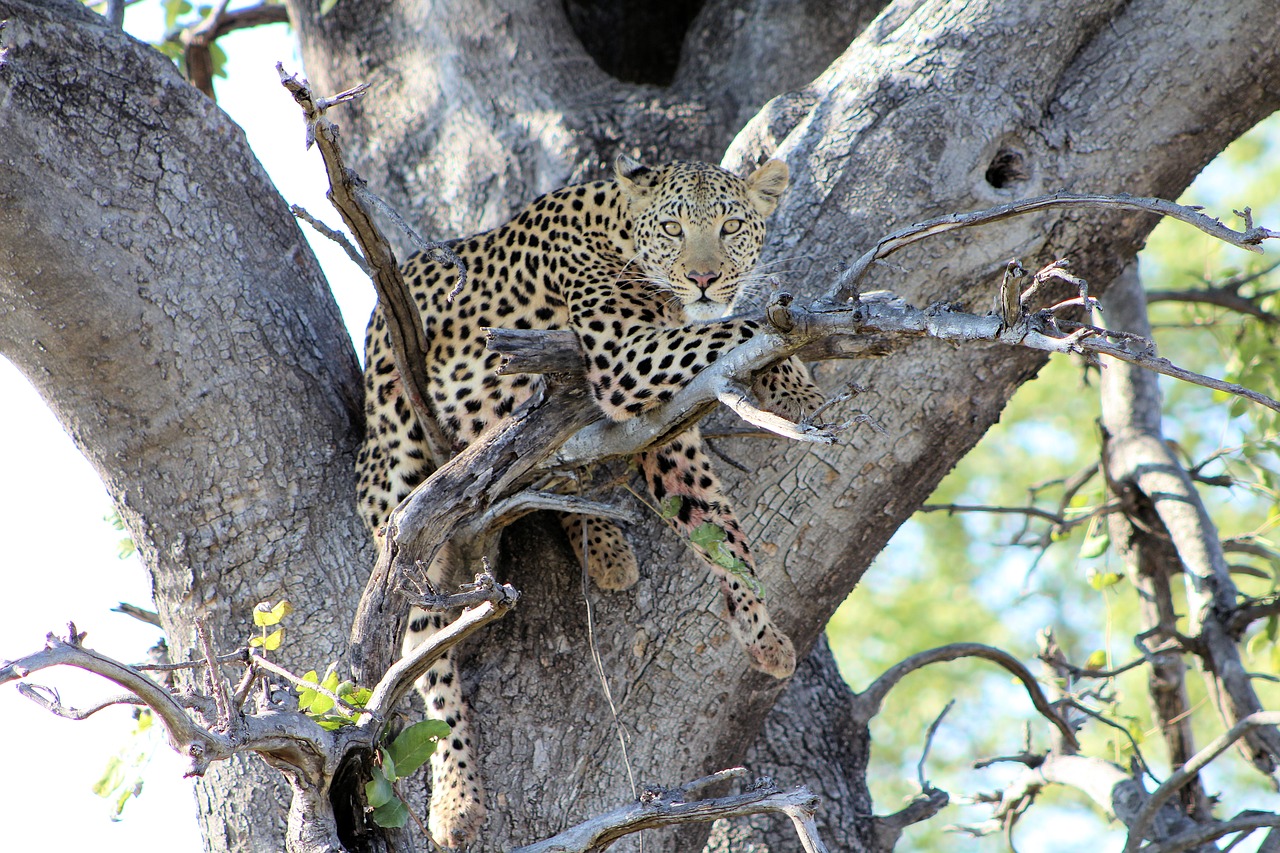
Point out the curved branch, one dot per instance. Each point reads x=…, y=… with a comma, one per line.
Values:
x=869, y=701
x=186, y=737
x=400, y=676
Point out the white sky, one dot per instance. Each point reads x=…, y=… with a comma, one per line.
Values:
x=48, y=765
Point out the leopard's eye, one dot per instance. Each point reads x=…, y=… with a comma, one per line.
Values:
x=672, y=228
x=731, y=226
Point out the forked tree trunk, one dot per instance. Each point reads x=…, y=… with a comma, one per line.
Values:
x=156, y=292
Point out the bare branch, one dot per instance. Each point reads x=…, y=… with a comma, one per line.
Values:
x=186, y=737
x=336, y=236
x=1184, y=774
x=658, y=807
x=400, y=676
x=870, y=700
x=404, y=327
x=846, y=286
x=739, y=401
x=1244, y=822
x=48, y=699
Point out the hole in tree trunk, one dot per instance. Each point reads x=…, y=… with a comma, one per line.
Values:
x=634, y=42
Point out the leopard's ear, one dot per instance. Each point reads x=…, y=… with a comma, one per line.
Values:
x=634, y=178
x=766, y=184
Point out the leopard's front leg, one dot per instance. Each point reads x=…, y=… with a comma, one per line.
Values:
x=681, y=479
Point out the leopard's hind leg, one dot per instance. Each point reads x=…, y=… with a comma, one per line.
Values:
x=457, y=808
x=682, y=470
x=610, y=561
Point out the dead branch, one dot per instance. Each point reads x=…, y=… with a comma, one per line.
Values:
x=185, y=736
x=660, y=807
x=408, y=338
x=870, y=700
x=845, y=287
x=499, y=599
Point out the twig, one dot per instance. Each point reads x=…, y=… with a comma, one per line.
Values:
x=227, y=718
x=47, y=698
x=1184, y=774
x=139, y=613
x=336, y=236
x=260, y=662
x=928, y=742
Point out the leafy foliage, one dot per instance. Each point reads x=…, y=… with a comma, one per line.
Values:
x=399, y=760
x=999, y=578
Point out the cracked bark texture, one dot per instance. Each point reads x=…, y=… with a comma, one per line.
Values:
x=157, y=293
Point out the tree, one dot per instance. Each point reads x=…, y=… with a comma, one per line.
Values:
x=213, y=388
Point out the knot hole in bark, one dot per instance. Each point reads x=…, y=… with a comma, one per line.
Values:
x=1008, y=168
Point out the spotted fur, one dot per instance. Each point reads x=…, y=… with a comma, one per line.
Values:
x=642, y=268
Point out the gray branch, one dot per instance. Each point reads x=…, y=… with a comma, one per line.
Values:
x=658, y=807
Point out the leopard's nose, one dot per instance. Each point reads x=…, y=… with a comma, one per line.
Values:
x=702, y=279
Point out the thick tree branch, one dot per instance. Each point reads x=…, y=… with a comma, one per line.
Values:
x=1142, y=469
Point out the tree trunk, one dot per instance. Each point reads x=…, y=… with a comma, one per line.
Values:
x=157, y=294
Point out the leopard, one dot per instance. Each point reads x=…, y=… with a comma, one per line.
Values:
x=646, y=269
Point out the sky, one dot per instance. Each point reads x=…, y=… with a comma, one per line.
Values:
x=49, y=493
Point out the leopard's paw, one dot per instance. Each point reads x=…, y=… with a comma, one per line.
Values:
x=455, y=817
x=771, y=652
x=610, y=561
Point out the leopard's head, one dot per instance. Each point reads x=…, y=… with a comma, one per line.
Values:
x=698, y=228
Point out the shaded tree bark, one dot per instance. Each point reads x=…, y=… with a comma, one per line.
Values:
x=158, y=296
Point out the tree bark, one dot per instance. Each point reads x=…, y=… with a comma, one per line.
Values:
x=157, y=294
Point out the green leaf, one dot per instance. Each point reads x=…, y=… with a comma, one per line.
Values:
x=333, y=722
x=330, y=682
x=218, y=58
x=112, y=777
x=388, y=765
x=1102, y=580
x=264, y=615
x=321, y=704
x=378, y=790
x=325, y=8
x=392, y=815
x=415, y=744
x=270, y=643
x=707, y=534
x=308, y=695
x=356, y=697
x=1097, y=660
x=1095, y=544
x=671, y=507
